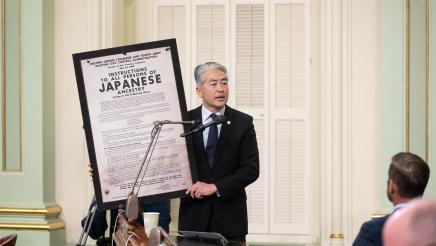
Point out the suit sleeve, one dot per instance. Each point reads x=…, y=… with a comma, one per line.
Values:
x=365, y=236
x=248, y=170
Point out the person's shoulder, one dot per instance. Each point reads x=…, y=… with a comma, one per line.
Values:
x=194, y=111
x=376, y=222
x=370, y=232
x=374, y=226
x=238, y=114
x=380, y=220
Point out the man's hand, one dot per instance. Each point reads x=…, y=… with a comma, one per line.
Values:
x=90, y=170
x=200, y=190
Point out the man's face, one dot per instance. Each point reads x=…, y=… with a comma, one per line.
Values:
x=215, y=90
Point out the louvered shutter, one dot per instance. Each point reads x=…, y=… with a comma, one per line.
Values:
x=249, y=55
x=210, y=36
x=249, y=90
x=290, y=56
x=171, y=23
x=210, y=33
x=268, y=61
x=289, y=121
x=257, y=193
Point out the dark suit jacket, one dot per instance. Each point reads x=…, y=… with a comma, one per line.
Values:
x=236, y=165
x=371, y=232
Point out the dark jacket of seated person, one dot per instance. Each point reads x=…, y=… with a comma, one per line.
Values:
x=370, y=232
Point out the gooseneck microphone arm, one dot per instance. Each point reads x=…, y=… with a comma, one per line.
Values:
x=167, y=122
x=132, y=203
x=219, y=119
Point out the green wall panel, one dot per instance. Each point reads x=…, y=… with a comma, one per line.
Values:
x=431, y=188
x=34, y=186
x=418, y=134
x=11, y=85
x=30, y=238
x=392, y=89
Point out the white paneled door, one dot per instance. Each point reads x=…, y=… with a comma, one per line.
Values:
x=264, y=45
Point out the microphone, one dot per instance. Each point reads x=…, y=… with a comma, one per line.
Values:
x=219, y=119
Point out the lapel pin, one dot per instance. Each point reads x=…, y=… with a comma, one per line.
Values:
x=228, y=122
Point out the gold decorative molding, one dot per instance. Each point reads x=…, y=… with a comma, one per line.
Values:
x=377, y=215
x=50, y=226
x=3, y=84
x=53, y=210
x=407, y=75
x=427, y=75
x=339, y=235
x=45, y=212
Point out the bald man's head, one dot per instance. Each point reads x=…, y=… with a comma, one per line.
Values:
x=414, y=225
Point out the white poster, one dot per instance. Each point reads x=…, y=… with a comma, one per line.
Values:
x=123, y=91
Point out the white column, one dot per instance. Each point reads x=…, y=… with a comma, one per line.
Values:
x=349, y=117
x=100, y=28
x=335, y=119
x=107, y=23
x=144, y=21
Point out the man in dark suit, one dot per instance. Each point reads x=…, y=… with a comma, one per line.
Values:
x=227, y=161
x=408, y=177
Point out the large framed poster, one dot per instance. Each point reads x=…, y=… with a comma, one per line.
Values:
x=123, y=91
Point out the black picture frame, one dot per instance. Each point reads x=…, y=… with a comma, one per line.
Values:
x=84, y=96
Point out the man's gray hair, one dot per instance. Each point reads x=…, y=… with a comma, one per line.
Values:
x=202, y=68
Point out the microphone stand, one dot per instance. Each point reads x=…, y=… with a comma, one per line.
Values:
x=88, y=222
x=132, y=203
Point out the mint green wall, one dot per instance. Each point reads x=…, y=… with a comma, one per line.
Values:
x=417, y=143
x=48, y=97
x=392, y=89
x=37, y=124
x=30, y=238
x=12, y=88
x=431, y=188
x=34, y=187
